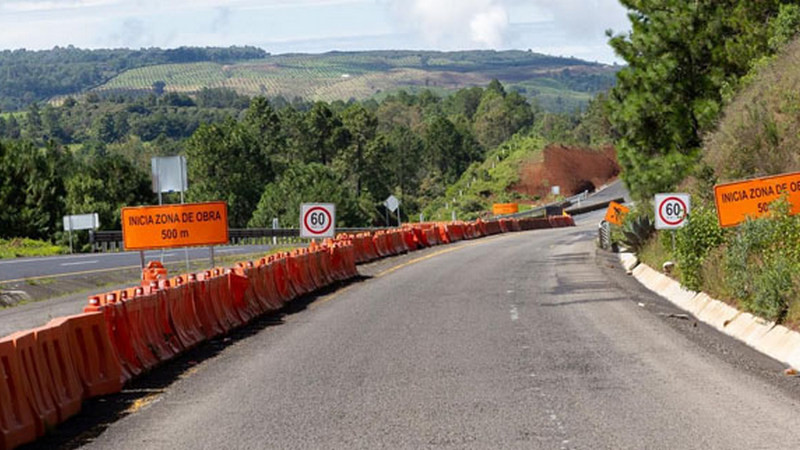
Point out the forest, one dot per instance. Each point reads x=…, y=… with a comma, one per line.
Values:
x=263, y=157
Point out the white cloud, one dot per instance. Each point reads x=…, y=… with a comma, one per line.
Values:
x=586, y=18
x=447, y=22
x=488, y=27
x=28, y=6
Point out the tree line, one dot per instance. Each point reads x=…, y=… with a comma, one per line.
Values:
x=262, y=156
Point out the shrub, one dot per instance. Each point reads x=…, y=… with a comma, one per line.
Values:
x=693, y=242
x=762, y=261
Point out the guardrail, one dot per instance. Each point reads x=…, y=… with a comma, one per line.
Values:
x=111, y=241
x=549, y=209
x=593, y=207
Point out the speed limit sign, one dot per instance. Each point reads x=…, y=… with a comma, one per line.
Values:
x=672, y=210
x=317, y=220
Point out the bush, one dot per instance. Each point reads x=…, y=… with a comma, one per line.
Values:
x=12, y=248
x=693, y=242
x=762, y=261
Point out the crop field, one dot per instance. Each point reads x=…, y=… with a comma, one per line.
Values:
x=557, y=83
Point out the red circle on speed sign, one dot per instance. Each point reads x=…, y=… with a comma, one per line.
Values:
x=328, y=220
x=664, y=204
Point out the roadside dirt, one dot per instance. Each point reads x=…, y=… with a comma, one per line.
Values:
x=573, y=169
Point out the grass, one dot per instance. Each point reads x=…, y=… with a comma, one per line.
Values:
x=489, y=182
x=19, y=247
x=657, y=251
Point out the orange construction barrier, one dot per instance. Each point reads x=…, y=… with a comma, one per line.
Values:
x=37, y=380
x=221, y=300
x=182, y=314
x=313, y=270
x=118, y=329
x=280, y=272
x=17, y=424
x=239, y=290
x=209, y=321
x=150, y=323
x=139, y=335
x=154, y=271
x=163, y=322
x=67, y=390
x=256, y=295
x=267, y=284
x=95, y=359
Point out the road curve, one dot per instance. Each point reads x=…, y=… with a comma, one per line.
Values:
x=527, y=340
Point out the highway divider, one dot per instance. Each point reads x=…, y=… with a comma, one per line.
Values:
x=47, y=372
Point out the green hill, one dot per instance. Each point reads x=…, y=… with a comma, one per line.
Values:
x=558, y=84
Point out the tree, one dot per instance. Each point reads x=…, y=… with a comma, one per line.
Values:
x=225, y=163
x=31, y=189
x=362, y=126
x=306, y=183
x=158, y=87
x=499, y=116
x=680, y=56
x=326, y=134
x=106, y=185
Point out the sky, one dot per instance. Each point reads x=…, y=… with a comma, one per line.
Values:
x=556, y=27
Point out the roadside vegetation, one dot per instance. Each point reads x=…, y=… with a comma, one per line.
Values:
x=715, y=105
x=14, y=248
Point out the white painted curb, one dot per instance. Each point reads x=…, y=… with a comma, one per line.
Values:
x=775, y=341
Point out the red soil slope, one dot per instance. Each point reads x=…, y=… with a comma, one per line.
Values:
x=573, y=169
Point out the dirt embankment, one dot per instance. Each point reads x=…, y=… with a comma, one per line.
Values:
x=573, y=169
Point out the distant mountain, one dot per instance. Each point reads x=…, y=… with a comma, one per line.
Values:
x=558, y=84
x=34, y=76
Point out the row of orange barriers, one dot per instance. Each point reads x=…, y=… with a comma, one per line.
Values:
x=46, y=373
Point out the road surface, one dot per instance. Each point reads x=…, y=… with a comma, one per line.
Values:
x=19, y=269
x=526, y=340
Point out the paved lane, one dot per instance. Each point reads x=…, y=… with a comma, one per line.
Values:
x=23, y=268
x=518, y=341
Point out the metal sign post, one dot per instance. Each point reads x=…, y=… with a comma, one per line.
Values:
x=169, y=175
x=392, y=204
x=70, y=235
x=80, y=222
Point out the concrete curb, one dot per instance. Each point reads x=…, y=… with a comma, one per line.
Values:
x=775, y=341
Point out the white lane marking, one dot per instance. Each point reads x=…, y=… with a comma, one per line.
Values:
x=514, y=314
x=80, y=263
x=226, y=250
x=509, y=292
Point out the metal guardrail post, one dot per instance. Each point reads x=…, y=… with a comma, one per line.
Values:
x=604, y=235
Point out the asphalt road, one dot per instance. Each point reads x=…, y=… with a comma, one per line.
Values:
x=526, y=340
x=12, y=270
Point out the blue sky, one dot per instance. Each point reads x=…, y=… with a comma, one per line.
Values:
x=557, y=27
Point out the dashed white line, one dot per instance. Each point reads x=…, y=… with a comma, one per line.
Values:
x=514, y=314
x=80, y=263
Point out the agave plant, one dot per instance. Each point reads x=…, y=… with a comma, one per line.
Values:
x=637, y=232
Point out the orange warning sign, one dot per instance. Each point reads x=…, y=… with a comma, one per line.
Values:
x=616, y=213
x=742, y=199
x=168, y=226
x=499, y=209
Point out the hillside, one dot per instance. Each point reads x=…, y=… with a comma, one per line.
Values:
x=558, y=84
x=35, y=76
x=522, y=170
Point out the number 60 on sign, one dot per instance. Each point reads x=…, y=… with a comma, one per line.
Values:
x=317, y=220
